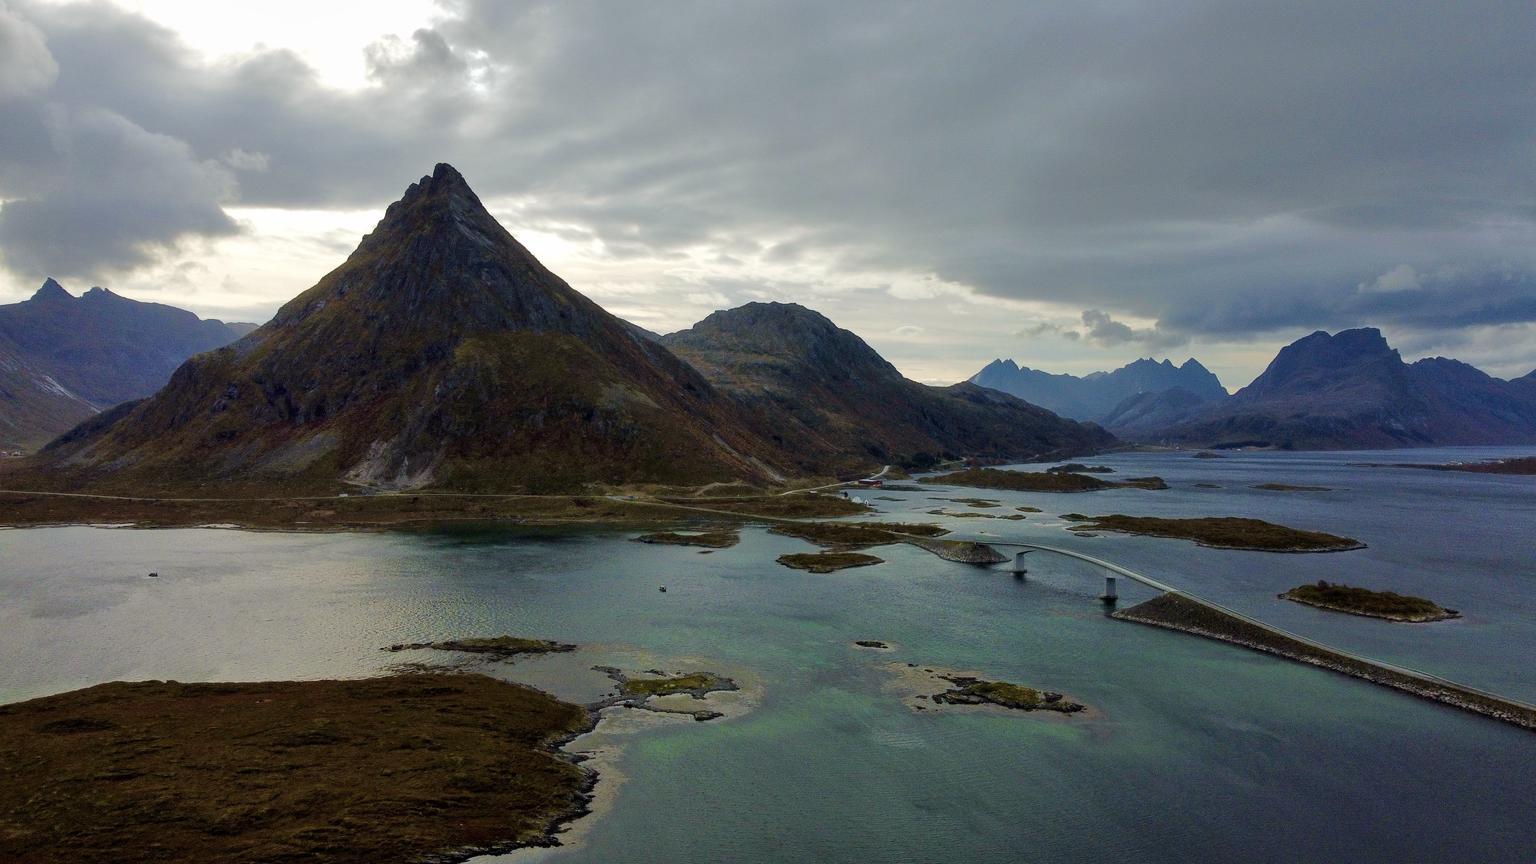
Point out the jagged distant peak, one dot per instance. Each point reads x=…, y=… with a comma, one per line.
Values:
x=52, y=290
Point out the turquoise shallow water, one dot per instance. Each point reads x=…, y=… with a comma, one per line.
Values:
x=1198, y=751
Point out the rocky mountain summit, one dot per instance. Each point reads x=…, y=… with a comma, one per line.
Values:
x=63, y=358
x=822, y=389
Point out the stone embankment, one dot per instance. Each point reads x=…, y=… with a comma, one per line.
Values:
x=1176, y=612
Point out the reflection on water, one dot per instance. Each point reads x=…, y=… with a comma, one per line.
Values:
x=1198, y=751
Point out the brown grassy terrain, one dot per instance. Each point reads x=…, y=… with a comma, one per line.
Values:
x=1371, y=604
x=809, y=505
x=401, y=768
x=355, y=511
x=827, y=562
x=975, y=691
x=1224, y=532
x=330, y=512
x=1038, y=481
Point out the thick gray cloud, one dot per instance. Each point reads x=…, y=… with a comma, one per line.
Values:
x=111, y=195
x=1102, y=329
x=1221, y=168
x=25, y=64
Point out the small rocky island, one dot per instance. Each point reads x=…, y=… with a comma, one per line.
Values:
x=1039, y=481
x=974, y=691
x=502, y=647
x=1289, y=487
x=723, y=538
x=1387, y=605
x=827, y=562
x=1220, y=532
x=641, y=692
x=934, y=689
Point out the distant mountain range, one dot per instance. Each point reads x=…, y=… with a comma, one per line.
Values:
x=63, y=358
x=1343, y=391
x=442, y=353
x=1101, y=395
x=1352, y=390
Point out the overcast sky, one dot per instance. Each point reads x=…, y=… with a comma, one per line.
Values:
x=1070, y=184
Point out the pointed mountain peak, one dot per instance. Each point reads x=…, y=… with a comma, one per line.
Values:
x=441, y=199
x=52, y=290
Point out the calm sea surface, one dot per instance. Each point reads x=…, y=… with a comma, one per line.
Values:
x=1198, y=751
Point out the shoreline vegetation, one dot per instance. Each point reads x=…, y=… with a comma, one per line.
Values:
x=437, y=767
x=1220, y=532
x=1386, y=605
x=384, y=511
x=1038, y=481
x=1173, y=612
x=1518, y=465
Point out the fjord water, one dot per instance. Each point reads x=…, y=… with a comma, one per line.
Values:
x=1196, y=751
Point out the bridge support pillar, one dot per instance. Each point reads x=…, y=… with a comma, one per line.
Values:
x=1110, y=595
x=1018, y=565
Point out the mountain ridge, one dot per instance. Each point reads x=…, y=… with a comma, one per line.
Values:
x=829, y=386
x=1098, y=396
x=66, y=357
x=1351, y=389
x=442, y=354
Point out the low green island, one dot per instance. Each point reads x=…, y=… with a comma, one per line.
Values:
x=827, y=562
x=404, y=767
x=1288, y=487
x=1039, y=481
x=1220, y=532
x=498, y=646
x=1387, y=605
x=1080, y=468
x=717, y=539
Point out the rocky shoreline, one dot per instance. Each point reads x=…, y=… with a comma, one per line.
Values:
x=960, y=551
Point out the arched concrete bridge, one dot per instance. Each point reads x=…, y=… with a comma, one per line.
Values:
x=1432, y=686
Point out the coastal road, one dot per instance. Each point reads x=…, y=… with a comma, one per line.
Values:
x=879, y=476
